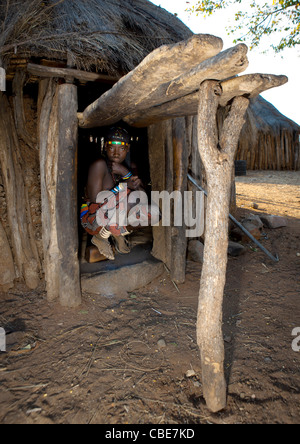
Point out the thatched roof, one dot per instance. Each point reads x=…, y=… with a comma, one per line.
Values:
x=269, y=140
x=111, y=36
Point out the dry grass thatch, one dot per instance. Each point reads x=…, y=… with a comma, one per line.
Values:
x=99, y=35
x=269, y=140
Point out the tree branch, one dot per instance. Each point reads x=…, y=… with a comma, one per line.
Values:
x=232, y=127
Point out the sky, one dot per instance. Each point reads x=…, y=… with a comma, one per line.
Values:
x=285, y=98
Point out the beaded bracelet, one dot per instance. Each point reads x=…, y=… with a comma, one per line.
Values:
x=117, y=188
x=127, y=177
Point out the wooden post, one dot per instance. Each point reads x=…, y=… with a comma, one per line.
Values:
x=161, y=171
x=168, y=157
x=58, y=155
x=47, y=91
x=217, y=154
x=180, y=168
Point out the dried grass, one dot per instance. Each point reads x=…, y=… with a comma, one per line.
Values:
x=100, y=35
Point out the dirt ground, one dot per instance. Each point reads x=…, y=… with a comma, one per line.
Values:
x=135, y=360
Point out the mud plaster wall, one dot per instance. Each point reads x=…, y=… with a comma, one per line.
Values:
x=31, y=170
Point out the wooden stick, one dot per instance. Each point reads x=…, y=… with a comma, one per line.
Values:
x=50, y=72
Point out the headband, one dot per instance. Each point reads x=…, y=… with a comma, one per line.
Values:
x=117, y=143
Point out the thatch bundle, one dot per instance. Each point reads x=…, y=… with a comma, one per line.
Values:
x=269, y=140
x=96, y=35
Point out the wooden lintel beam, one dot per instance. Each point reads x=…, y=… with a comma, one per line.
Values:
x=84, y=76
x=249, y=85
x=148, y=83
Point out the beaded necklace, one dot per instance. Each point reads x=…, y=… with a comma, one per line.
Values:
x=115, y=177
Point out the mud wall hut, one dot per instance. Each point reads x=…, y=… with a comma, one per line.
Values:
x=59, y=57
x=54, y=52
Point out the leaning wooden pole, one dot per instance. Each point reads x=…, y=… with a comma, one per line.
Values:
x=217, y=153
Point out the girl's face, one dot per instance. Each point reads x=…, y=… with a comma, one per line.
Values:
x=116, y=152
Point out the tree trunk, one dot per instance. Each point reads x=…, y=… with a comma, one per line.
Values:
x=58, y=149
x=217, y=154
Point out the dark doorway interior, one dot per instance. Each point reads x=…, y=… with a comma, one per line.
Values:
x=90, y=147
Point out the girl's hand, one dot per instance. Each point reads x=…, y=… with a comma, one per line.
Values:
x=134, y=183
x=118, y=169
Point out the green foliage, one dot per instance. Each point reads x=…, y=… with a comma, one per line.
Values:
x=261, y=18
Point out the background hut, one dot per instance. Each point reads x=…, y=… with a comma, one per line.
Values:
x=269, y=140
x=59, y=56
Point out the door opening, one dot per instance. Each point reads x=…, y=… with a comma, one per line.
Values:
x=91, y=148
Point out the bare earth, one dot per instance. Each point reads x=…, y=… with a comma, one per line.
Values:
x=135, y=360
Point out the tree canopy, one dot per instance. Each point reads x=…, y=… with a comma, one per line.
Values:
x=260, y=18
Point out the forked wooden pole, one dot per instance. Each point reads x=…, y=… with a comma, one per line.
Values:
x=217, y=153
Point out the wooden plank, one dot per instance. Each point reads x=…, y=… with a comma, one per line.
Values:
x=180, y=170
x=47, y=101
x=250, y=85
x=159, y=141
x=168, y=155
x=51, y=72
x=66, y=196
x=161, y=66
